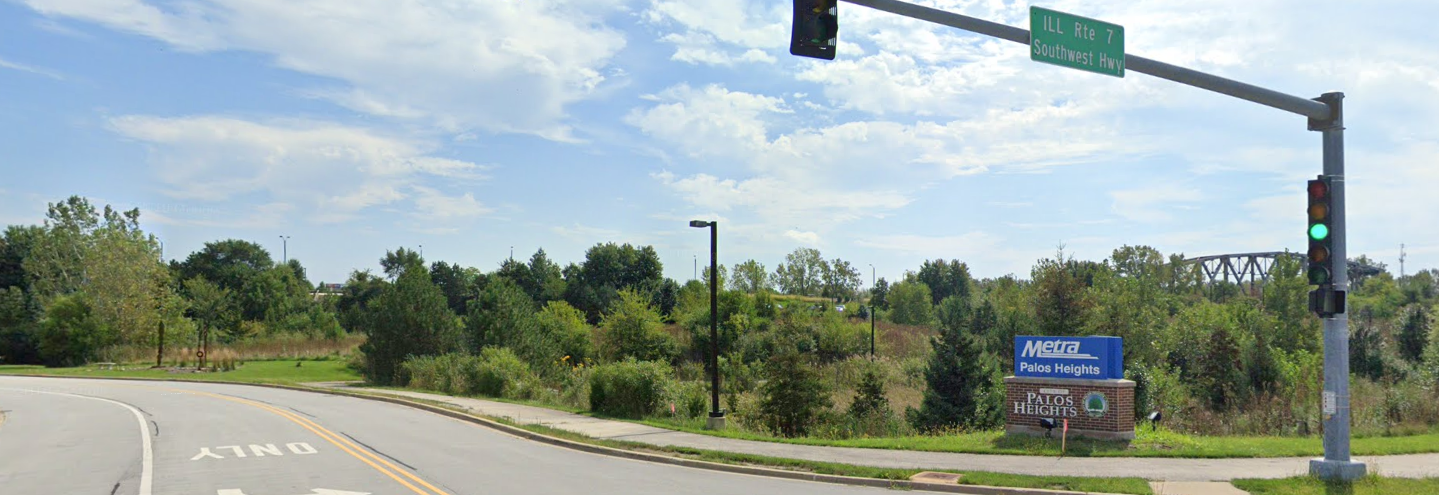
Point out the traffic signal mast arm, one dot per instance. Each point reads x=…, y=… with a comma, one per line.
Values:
x=1289, y=103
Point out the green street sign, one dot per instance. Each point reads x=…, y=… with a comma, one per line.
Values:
x=1076, y=42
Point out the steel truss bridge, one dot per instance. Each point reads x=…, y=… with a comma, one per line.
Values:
x=1239, y=268
x=1254, y=267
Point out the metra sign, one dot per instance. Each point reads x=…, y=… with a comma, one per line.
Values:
x=1090, y=358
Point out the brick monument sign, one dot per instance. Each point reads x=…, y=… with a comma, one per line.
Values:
x=1078, y=379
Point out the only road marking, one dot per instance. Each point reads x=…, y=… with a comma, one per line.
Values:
x=297, y=448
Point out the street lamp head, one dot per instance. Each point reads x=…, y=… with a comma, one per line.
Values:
x=699, y=224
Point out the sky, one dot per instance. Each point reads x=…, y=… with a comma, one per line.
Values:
x=470, y=129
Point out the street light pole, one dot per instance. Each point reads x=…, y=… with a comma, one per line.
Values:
x=716, y=418
x=285, y=248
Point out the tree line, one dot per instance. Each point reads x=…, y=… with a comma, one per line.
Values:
x=1216, y=357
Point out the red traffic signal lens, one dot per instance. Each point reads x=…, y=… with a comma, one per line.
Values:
x=1318, y=189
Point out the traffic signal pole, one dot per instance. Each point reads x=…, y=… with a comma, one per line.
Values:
x=1336, y=463
x=1325, y=116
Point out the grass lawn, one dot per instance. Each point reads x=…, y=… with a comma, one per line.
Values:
x=1370, y=485
x=1160, y=443
x=284, y=372
x=1072, y=483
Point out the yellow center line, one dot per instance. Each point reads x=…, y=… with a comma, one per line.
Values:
x=304, y=421
x=329, y=436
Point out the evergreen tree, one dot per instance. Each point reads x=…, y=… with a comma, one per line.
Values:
x=880, y=294
x=1365, y=350
x=1431, y=360
x=1259, y=362
x=504, y=316
x=869, y=398
x=793, y=396
x=960, y=378
x=1414, y=329
x=410, y=318
x=1221, y=373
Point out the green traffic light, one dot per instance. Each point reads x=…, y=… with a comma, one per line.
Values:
x=1318, y=231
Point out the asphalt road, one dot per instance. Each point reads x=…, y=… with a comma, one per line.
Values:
x=107, y=437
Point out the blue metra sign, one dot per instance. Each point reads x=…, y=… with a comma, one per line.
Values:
x=1090, y=358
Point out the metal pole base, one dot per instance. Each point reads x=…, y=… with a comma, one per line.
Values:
x=1336, y=470
x=715, y=422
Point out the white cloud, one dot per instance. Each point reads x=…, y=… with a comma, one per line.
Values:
x=699, y=48
x=1145, y=204
x=331, y=171
x=588, y=234
x=722, y=33
x=959, y=246
x=804, y=238
x=432, y=204
x=6, y=64
x=497, y=65
x=846, y=171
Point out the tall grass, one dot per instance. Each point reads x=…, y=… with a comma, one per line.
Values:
x=283, y=346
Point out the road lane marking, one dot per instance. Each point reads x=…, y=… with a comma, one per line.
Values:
x=147, y=460
x=337, y=440
x=205, y=452
x=259, y=450
x=329, y=436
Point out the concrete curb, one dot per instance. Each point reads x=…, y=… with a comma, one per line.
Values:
x=626, y=454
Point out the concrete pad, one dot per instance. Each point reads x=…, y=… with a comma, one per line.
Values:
x=1194, y=488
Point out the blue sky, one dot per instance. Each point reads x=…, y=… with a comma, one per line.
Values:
x=468, y=127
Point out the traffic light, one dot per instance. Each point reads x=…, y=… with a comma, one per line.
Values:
x=816, y=29
x=1321, y=228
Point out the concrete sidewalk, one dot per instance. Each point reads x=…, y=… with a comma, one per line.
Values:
x=1158, y=469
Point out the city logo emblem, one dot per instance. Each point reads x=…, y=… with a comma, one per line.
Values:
x=1095, y=404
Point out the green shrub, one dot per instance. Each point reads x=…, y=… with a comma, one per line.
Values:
x=496, y=372
x=691, y=399
x=501, y=373
x=447, y=373
x=633, y=330
x=629, y=389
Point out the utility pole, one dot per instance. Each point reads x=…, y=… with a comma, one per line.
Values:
x=872, y=292
x=160, y=348
x=817, y=39
x=1401, y=261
